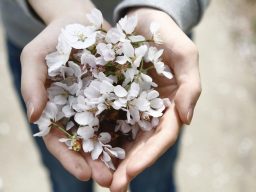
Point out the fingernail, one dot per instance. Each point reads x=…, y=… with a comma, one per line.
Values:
x=30, y=110
x=190, y=115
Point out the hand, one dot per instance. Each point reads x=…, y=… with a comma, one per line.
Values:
x=182, y=57
x=34, y=74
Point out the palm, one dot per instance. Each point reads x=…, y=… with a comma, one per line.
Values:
x=147, y=148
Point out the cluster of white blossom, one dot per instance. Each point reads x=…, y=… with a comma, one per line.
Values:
x=95, y=73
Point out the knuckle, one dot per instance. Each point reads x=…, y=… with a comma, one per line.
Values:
x=192, y=50
x=26, y=51
x=31, y=50
x=198, y=89
x=25, y=54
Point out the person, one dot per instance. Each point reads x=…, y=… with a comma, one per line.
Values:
x=32, y=28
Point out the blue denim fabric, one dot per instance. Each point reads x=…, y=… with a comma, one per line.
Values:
x=157, y=178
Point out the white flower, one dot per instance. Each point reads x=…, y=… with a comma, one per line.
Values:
x=163, y=69
x=121, y=103
x=120, y=91
x=128, y=24
x=55, y=61
x=154, y=29
x=73, y=89
x=134, y=56
x=79, y=36
x=70, y=142
x=114, y=35
x=148, y=104
x=133, y=91
x=136, y=38
x=70, y=125
x=63, y=46
x=129, y=75
x=123, y=126
x=116, y=152
x=87, y=134
x=106, y=51
x=145, y=81
x=146, y=125
x=139, y=54
x=96, y=18
x=74, y=69
x=68, y=111
x=88, y=59
x=57, y=94
x=153, y=55
x=44, y=123
x=84, y=118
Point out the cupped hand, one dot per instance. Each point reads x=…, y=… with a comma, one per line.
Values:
x=181, y=55
x=34, y=75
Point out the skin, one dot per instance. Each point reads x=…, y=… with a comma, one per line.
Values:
x=34, y=74
x=182, y=57
x=180, y=54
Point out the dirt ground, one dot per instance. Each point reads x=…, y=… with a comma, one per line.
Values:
x=218, y=150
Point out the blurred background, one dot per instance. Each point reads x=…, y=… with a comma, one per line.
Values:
x=218, y=151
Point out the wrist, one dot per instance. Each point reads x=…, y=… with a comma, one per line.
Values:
x=67, y=9
x=148, y=15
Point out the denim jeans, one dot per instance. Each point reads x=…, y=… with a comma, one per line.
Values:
x=157, y=178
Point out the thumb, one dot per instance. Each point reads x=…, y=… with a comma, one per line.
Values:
x=34, y=73
x=34, y=70
x=185, y=100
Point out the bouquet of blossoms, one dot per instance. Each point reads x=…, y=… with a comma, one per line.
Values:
x=100, y=94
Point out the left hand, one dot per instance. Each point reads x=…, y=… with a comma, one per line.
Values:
x=184, y=89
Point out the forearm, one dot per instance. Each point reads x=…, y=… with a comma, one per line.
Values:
x=70, y=9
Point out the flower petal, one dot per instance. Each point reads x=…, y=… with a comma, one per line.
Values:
x=96, y=18
x=84, y=118
x=128, y=49
x=88, y=145
x=85, y=132
x=134, y=91
x=120, y=91
x=68, y=112
x=69, y=125
x=117, y=152
x=156, y=103
x=96, y=151
x=106, y=87
x=141, y=51
x=104, y=137
x=152, y=94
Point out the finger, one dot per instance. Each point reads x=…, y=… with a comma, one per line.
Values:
x=187, y=75
x=121, y=180
x=186, y=98
x=100, y=172
x=165, y=136
x=34, y=71
x=32, y=87
x=72, y=161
